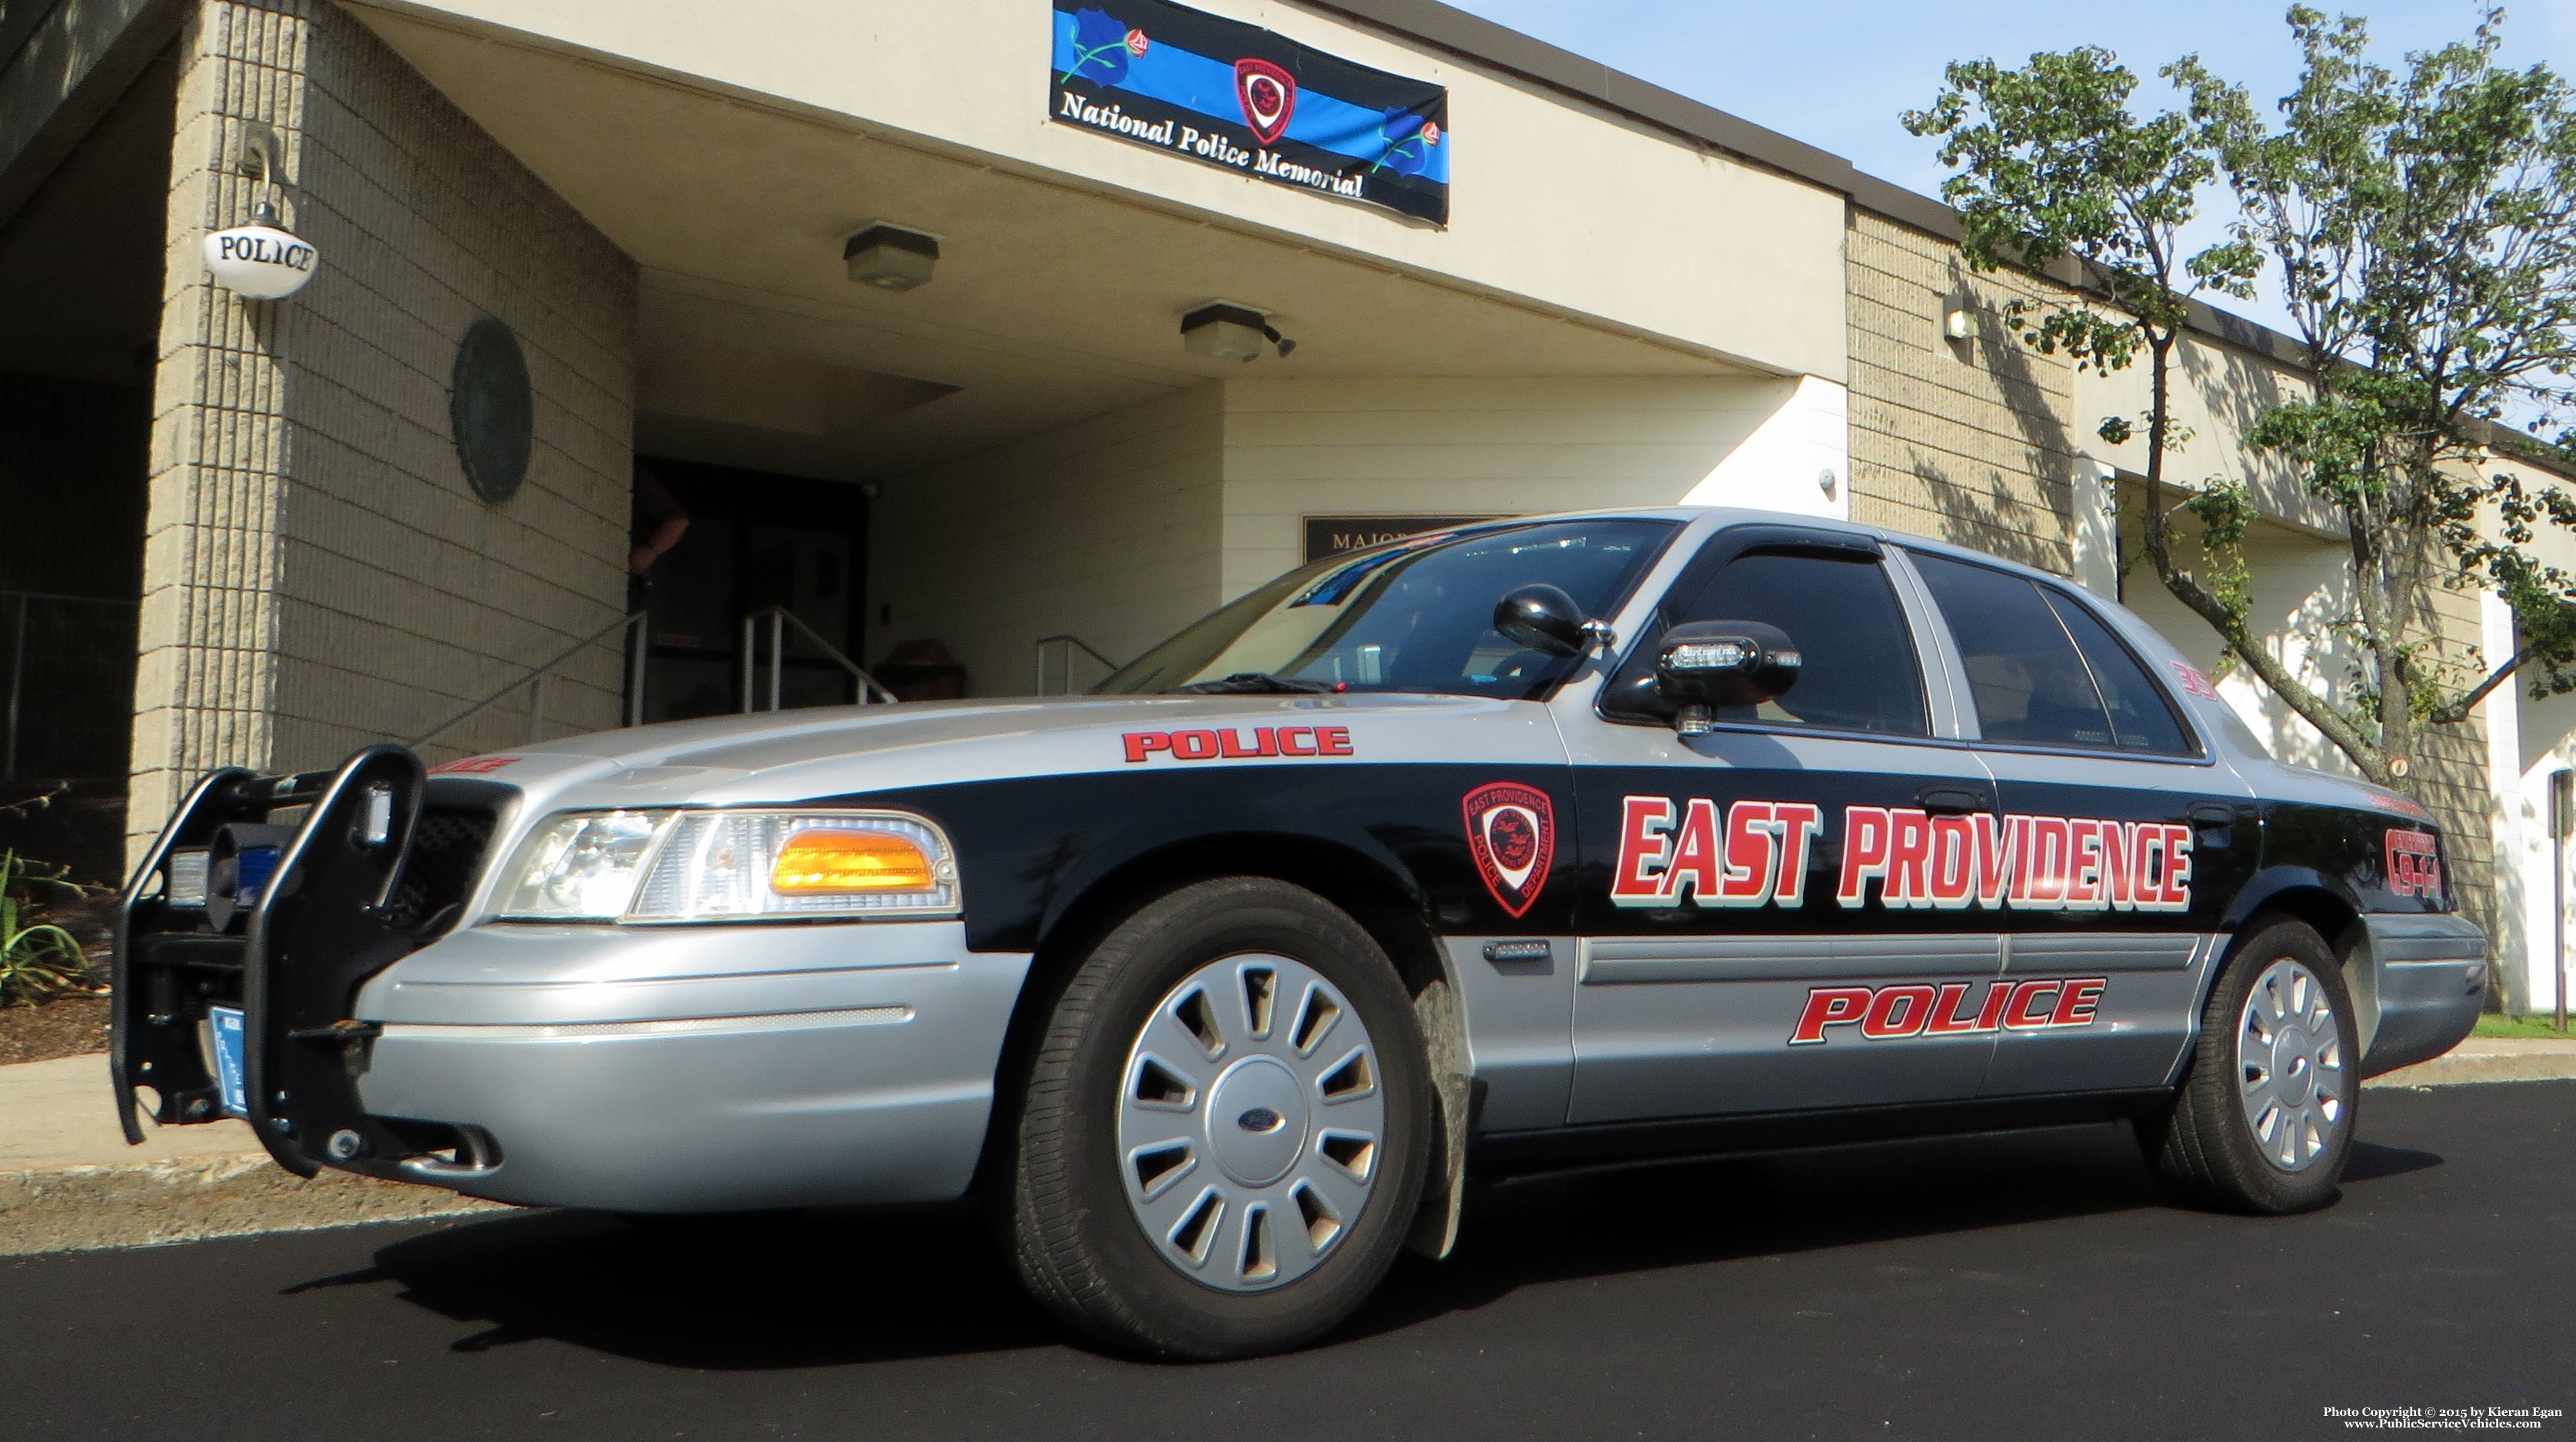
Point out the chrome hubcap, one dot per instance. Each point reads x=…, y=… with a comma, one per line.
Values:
x=1249, y=1122
x=2290, y=1066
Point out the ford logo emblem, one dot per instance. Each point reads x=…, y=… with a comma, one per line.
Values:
x=1260, y=1119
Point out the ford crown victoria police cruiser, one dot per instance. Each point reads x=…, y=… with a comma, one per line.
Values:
x=1515, y=846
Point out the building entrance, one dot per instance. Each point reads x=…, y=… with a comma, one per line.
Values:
x=717, y=547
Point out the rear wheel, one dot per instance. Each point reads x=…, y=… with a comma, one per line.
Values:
x=2263, y=1121
x=1226, y=1124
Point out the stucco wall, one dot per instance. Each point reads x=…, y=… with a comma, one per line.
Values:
x=1108, y=530
x=1464, y=447
x=318, y=573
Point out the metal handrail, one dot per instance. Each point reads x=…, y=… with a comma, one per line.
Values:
x=779, y=618
x=534, y=679
x=1071, y=643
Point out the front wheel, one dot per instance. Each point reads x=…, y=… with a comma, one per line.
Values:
x=1226, y=1126
x=2263, y=1121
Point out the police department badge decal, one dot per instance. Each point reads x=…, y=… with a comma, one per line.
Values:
x=1512, y=831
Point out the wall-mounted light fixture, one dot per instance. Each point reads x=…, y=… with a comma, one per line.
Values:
x=262, y=260
x=1221, y=330
x=1958, y=323
x=891, y=257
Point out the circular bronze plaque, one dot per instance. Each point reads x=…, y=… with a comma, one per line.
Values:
x=491, y=409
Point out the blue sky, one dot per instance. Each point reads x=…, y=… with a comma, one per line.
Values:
x=1835, y=73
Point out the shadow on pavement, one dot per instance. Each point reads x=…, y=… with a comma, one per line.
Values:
x=825, y=1289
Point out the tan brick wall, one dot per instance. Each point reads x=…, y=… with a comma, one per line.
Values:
x=1976, y=442
x=318, y=573
x=1971, y=442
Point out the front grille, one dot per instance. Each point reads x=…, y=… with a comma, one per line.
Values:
x=438, y=872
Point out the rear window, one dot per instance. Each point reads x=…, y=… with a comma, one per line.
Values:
x=2043, y=669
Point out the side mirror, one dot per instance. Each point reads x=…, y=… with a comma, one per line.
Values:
x=1701, y=666
x=1545, y=619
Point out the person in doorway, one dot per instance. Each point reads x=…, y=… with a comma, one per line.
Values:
x=660, y=522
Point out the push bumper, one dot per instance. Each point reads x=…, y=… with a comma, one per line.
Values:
x=2431, y=981
x=691, y=1068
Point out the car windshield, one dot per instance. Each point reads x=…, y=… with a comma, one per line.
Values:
x=1413, y=615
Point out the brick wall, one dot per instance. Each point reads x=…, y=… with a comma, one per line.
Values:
x=1973, y=441
x=318, y=573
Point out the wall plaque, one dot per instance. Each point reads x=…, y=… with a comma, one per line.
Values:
x=1332, y=535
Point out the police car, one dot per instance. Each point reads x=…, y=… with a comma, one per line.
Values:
x=1525, y=845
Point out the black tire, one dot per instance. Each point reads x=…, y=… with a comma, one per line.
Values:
x=2207, y=1145
x=1080, y=1244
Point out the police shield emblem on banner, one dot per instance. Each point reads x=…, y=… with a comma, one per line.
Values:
x=1511, y=830
x=1224, y=93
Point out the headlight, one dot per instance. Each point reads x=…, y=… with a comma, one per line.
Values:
x=668, y=866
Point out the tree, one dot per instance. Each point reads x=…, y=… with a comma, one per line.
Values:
x=2425, y=226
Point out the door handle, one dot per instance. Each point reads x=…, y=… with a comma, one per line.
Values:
x=1943, y=800
x=2212, y=813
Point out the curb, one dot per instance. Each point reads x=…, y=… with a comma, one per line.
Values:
x=2457, y=1069
x=188, y=1199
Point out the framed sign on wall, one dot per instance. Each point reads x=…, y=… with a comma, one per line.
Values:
x=1332, y=535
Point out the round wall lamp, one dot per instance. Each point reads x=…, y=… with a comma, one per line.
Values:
x=891, y=257
x=262, y=260
x=1224, y=331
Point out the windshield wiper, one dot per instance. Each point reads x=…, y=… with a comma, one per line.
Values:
x=1250, y=683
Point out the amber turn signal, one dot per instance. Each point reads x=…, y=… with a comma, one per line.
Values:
x=830, y=859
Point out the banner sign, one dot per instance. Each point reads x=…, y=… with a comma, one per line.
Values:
x=1235, y=95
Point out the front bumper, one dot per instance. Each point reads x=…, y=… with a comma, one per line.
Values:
x=701, y=1068
x=2431, y=985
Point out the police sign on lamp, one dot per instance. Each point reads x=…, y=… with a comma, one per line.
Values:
x=260, y=262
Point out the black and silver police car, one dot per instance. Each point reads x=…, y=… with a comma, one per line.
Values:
x=1517, y=846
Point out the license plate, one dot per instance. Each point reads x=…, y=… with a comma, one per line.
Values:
x=230, y=1075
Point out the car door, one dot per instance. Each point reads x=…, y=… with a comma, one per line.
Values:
x=2126, y=837
x=1740, y=952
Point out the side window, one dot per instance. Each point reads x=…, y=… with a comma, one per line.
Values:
x=2030, y=680
x=2142, y=719
x=1859, y=671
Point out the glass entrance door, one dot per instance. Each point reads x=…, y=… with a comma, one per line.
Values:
x=751, y=541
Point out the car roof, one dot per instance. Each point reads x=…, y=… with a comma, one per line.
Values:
x=1723, y=516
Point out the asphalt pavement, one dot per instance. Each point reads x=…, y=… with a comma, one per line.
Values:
x=2027, y=1286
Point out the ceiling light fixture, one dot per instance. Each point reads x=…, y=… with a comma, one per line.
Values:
x=891, y=257
x=1224, y=331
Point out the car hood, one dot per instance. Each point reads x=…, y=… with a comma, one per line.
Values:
x=801, y=755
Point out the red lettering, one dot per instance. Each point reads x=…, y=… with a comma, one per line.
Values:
x=1289, y=736
x=1944, y=1019
x=1829, y=1006
x=2177, y=887
x=2077, y=1003
x=2084, y=865
x=1193, y=745
x=1954, y=861
x=1995, y=856
x=1990, y=1016
x=1234, y=749
x=2019, y=1016
x=1141, y=744
x=1269, y=740
x=1751, y=854
x=1694, y=868
x=2119, y=862
x=1908, y=848
x=1333, y=740
x=2051, y=850
x=1800, y=824
x=1645, y=843
x=1897, y=1011
x=1865, y=838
